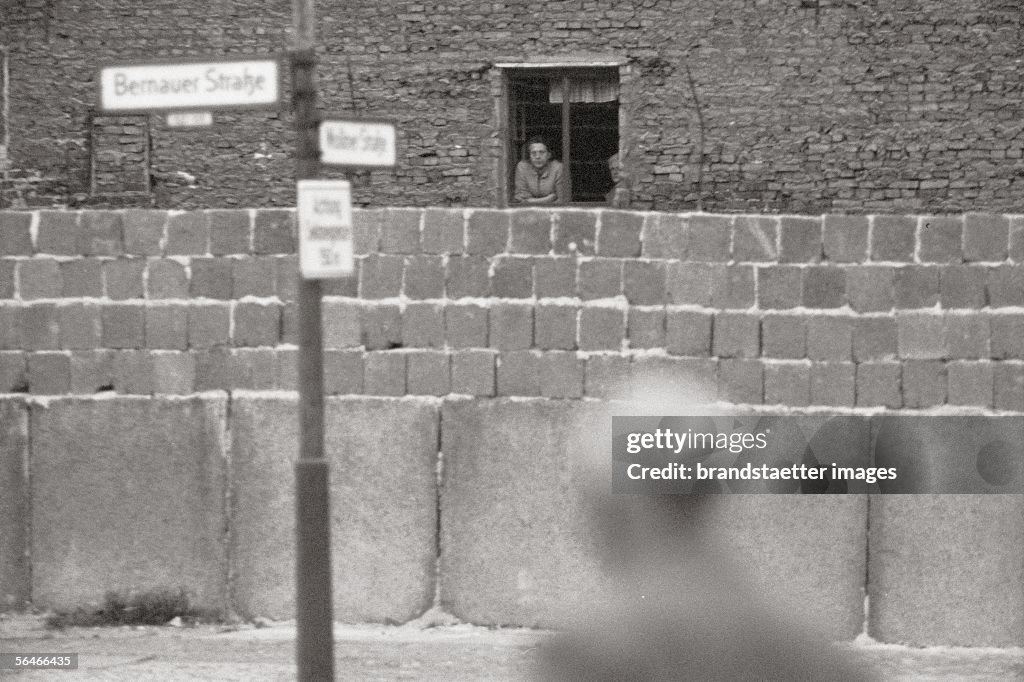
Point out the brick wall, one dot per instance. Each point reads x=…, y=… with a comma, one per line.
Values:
x=838, y=311
x=809, y=106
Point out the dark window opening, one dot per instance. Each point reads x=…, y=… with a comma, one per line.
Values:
x=582, y=130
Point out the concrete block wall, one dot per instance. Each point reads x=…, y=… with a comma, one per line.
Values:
x=464, y=355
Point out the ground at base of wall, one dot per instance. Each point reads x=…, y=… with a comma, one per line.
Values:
x=368, y=652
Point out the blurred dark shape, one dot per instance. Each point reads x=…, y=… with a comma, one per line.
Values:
x=999, y=463
x=674, y=608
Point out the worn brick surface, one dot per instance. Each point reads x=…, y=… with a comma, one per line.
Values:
x=870, y=288
x=561, y=375
x=963, y=286
x=423, y=325
x=382, y=327
x=341, y=323
x=132, y=372
x=920, y=335
x=400, y=231
x=784, y=336
x=39, y=325
x=800, y=239
x=1016, y=245
x=15, y=237
x=787, y=383
x=487, y=232
x=443, y=231
x=82, y=277
x=13, y=371
x=833, y=384
x=230, y=231
x=167, y=525
x=741, y=381
x=599, y=278
x=893, y=237
x=755, y=238
x=619, y=234
x=845, y=238
x=15, y=499
x=366, y=227
x=210, y=278
x=80, y=326
x=966, y=336
x=274, y=232
x=343, y=372
x=519, y=373
x=39, y=278
x=554, y=277
x=380, y=276
x=941, y=239
x=878, y=384
x=824, y=287
x=665, y=236
x=124, y=278
x=874, y=338
x=388, y=451
x=688, y=332
x=1005, y=286
x=530, y=231
x=643, y=282
x=253, y=276
x=254, y=368
x=427, y=373
x=286, y=277
x=208, y=325
x=575, y=232
x=709, y=238
x=916, y=286
x=167, y=327
x=473, y=372
x=216, y=370
x=985, y=237
x=645, y=328
x=424, y=277
x=144, y=231
x=92, y=370
x=188, y=234
x=607, y=375
x=49, y=373
x=511, y=326
x=779, y=287
x=467, y=277
x=1008, y=387
x=944, y=569
x=829, y=338
x=124, y=326
x=691, y=283
x=1007, y=336
x=970, y=383
x=512, y=277
x=256, y=324
x=384, y=373
x=465, y=326
x=100, y=234
x=58, y=232
x=173, y=373
x=555, y=326
x=732, y=286
x=699, y=373
x=924, y=383
x=166, y=278
x=601, y=328
x=736, y=335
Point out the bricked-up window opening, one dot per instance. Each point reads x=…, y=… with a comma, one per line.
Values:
x=582, y=130
x=119, y=147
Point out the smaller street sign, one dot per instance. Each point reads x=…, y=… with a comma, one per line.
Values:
x=357, y=143
x=325, y=229
x=190, y=119
x=213, y=83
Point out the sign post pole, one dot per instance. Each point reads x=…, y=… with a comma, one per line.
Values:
x=314, y=599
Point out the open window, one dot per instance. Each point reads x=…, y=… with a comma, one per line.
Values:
x=576, y=110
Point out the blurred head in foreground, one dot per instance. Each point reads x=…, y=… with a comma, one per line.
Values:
x=671, y=605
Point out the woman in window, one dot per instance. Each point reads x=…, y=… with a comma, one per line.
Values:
x=539, y=180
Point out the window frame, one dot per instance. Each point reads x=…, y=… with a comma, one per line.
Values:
x=505, y=74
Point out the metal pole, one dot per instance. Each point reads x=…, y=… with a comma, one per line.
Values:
x=314, y=607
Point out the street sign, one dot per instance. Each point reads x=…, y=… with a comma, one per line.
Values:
x=357, y=143
x=190, y=119
x=325, y=229
x=212, y=83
